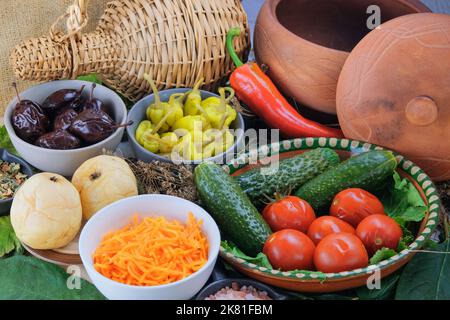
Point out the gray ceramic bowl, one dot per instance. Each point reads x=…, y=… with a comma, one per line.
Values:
x=65, y=162
x=138, y=113
x=5, y=204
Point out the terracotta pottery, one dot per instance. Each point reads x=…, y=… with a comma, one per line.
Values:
x=331, y=282
x=306, y=42
x=394, y=90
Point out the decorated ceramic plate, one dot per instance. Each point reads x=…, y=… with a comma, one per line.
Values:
x=330, y=282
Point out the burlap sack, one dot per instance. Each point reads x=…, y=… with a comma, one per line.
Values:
x=23, y=19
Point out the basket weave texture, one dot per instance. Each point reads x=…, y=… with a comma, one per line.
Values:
x=175, y=41
x=21, y=20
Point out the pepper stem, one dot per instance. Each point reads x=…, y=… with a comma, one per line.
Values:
x=232, y=33
x=230, y=94
x=222, y=121
x=198, y=84
x=200, y=108
x=129, y=123
x=81, y=89
x=91, y=94
x=17, y=91
x=223, y=101
x=162, y=121
x=154, y=88
x=175, y=97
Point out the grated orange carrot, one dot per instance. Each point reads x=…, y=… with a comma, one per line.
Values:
x=153, y=251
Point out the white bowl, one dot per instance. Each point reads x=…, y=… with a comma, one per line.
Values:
x=117, y=215
x=65, y=162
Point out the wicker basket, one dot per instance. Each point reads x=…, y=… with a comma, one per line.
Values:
x=175, y=41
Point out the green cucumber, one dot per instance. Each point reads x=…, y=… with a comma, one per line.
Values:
x=233, y=211
x=366, y=171
x=290, y=174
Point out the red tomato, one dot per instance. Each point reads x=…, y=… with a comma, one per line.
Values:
x=378, y=231
x=290, y=250
x=340, y=252
x=353, y=205
x=289, y=213
x=323, y=226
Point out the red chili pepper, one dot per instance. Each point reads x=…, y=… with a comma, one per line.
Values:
x=259, y=93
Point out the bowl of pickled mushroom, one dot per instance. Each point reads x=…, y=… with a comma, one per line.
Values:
x=185, y=125
x=56, y=126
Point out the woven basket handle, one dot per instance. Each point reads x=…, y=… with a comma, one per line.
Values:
x=76, y=19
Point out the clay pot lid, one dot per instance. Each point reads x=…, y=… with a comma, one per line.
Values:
x=394, y=90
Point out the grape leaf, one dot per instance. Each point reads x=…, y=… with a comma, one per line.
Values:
x=386, y=291
x=427, y=276
x=8, y=239
x=5, y=141
x=28, y=278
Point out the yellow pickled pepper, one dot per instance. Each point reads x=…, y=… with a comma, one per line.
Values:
x=168, y=141
x=175, y=107
x=208, y=139
x=156, y=111
x=188, y=149
x=150, y=141
x=217, y=142
x=219, y=113
x=190, y=122
x=192, y=106
x=141, y=129
x=148, y=136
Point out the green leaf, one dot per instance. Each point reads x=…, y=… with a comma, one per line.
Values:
x=261, y=259
x=5, y=141
x=8, y=239
x=92, y=77
x=406, y=240
x=386, y=291
x=382, y=254
x=402, y=202
x=28, y=278
x=427, y=276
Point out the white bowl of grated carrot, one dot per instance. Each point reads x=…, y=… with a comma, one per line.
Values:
x=150, y=247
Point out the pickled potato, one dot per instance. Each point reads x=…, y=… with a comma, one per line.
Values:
x=46, y=212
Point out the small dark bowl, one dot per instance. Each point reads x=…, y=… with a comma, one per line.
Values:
x=214, y=287
x=5, y=204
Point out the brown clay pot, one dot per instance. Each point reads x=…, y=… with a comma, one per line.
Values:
x=305, y=43
x=394, y=90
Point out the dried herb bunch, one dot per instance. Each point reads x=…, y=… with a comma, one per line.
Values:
x=165, y=178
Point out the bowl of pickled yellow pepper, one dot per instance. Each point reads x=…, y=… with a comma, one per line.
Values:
x=187, y=125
